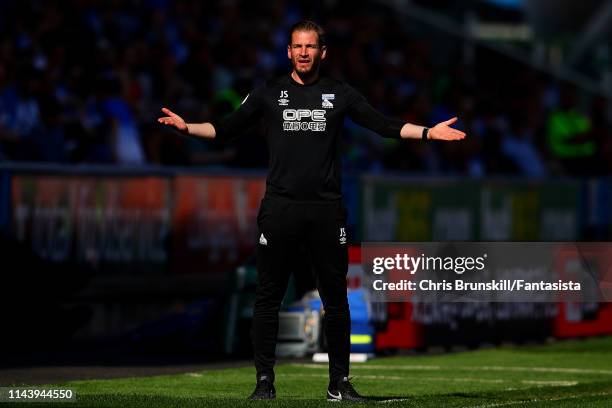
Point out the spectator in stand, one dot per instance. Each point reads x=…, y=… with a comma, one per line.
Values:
x=187, y=52
x=517, y=146
x=20, y=121
x=125, y=141
x=569, y=135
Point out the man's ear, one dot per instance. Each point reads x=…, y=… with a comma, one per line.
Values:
x=289, y=51
x=323, y=52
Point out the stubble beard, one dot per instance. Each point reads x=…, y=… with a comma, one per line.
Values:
x=309, y=72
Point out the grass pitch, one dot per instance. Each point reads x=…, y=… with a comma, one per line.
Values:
x=565, y=374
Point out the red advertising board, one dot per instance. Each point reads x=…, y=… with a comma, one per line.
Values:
x=184, y=225
x=214, y=222
x=401, y=331
x=117, y=222
x=579, y=318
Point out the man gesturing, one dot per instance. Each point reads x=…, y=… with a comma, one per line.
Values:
x=304, y=115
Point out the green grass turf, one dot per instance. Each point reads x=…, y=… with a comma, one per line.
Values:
x=564, y=374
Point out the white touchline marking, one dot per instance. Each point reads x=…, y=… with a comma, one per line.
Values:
x=463, y=379
x=560, y=383
x=502, y=404
x=392, y=400
x=452, y=379
x=466, y=379
x=391, y=377
x=374, y=367
x=553, y=383
x=194, y=374
x=369, y=377
x=544, y=383
x=541, y=369
x=471, y=368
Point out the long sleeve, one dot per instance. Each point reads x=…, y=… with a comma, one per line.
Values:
x=239, y=121
x=362, y=113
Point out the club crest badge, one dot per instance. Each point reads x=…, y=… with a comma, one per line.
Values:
x=326, y=100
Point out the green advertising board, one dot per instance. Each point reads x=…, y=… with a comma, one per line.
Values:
x=412, y=210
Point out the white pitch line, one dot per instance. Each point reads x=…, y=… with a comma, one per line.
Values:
x=503, y=404
x=374, y=367
x=542, y=369
x=369, y=377
x=465, y=379
x=392, y=400
x=559, y=383
x=471, y=368
x=390, y=377
x=551, y=383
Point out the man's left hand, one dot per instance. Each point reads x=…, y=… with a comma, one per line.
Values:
x=443, y=131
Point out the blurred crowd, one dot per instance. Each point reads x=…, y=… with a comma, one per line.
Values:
x=83, y=82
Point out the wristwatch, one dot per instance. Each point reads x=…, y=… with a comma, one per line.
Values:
x=424, y=134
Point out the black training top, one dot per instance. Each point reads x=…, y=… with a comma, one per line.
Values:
x=303, y=125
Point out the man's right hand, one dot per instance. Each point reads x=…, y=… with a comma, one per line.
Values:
x=174, y=120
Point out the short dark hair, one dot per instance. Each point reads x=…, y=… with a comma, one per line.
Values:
x=307, y=25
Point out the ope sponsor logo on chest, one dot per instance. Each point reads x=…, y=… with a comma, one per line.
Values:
x=304, y=119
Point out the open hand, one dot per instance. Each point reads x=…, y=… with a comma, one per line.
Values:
x=443, y=131
x=173, y=120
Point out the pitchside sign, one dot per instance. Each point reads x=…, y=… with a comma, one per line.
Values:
x=138, y=225
x=404, y=209
x=113, y=223
x=214, y=222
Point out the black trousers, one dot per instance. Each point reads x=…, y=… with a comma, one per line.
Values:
x=284, y=226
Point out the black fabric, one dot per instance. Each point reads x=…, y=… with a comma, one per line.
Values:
x=303, y=131
x=285, y=226
x=303, y=202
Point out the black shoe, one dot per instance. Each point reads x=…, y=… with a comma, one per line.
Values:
x=342, y=390
x=264, y=389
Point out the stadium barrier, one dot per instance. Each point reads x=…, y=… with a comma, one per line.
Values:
x=154, y=235
x=149, y=243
